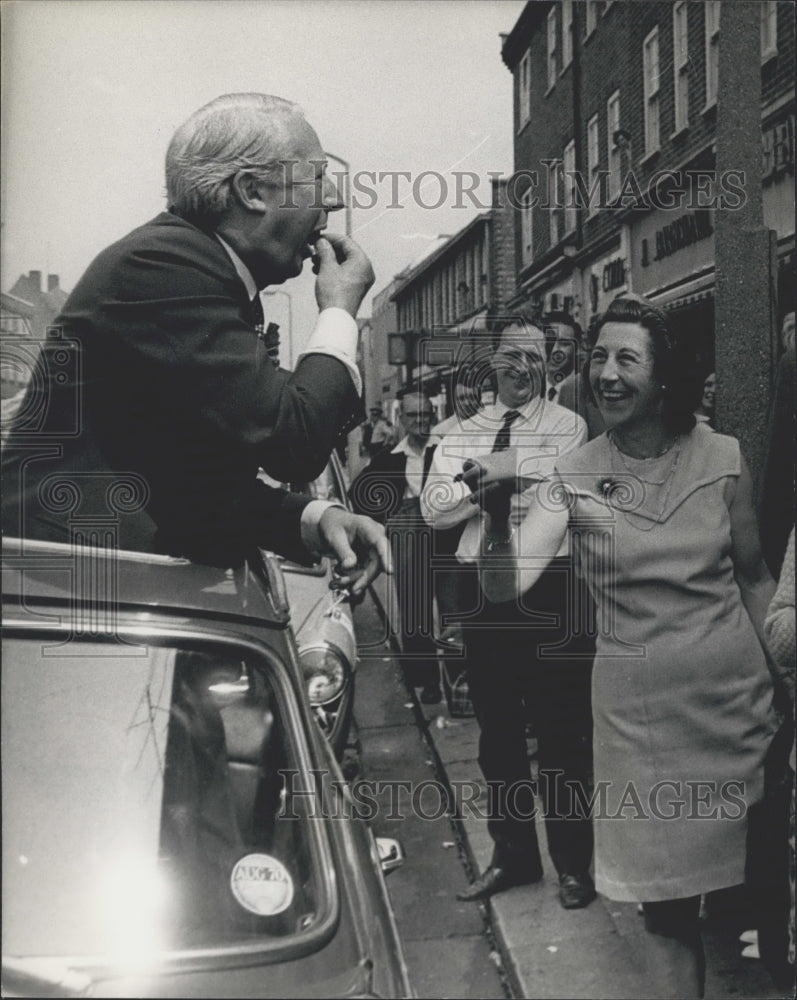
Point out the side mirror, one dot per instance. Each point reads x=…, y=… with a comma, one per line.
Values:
x=391, y=854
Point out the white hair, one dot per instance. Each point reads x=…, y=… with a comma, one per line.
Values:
x=233, y=132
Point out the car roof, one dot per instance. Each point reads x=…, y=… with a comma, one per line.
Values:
x=37, y=572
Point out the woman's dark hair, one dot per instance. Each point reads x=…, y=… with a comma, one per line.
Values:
x=674, y=365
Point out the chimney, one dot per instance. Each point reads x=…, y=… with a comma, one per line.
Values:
x=36, y=276
x=52, y=282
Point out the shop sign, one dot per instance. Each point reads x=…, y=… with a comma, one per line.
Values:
x=614, y=274
x=669, y=247
x=677, y=235
x=778, y=148
x=603, y=279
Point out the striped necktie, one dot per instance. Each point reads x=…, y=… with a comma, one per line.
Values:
x=501, y=442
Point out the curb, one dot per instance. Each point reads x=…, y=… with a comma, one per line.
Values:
x=493, y=927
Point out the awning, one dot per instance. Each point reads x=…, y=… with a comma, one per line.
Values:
x=685, y=293
x=685, y=301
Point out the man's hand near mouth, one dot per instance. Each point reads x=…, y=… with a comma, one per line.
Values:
x=344, y=273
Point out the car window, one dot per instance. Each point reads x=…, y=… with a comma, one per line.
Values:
x=152, y=801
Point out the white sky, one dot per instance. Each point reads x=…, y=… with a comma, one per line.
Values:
x=93, y=89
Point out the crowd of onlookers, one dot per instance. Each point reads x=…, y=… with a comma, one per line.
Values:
x=580, y=527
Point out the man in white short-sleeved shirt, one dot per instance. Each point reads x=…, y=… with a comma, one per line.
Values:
x=511, y=678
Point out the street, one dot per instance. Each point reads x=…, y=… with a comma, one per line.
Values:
x=446, y=942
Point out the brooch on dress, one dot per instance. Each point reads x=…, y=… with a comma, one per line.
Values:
x=606, y=487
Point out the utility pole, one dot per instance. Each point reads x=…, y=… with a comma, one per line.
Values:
x=745, y=251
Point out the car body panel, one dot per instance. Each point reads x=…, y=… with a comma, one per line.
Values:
x=352, y=949
x=319, y=616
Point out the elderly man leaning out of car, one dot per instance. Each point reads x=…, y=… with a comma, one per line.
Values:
x=155, y=401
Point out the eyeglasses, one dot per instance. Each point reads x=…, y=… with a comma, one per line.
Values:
x=515, y=374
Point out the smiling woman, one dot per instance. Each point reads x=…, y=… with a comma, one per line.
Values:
x=662, y=525
x=641, y=377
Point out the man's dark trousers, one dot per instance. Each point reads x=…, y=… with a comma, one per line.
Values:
x=411, y=548
x=515, y=676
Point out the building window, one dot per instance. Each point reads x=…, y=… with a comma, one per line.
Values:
x=569, y=183
x=590, y=17
x=650, y=70
x=551, y=47
x=615, y=153
x=769, y=30
x=680, y=48
x=527, y=227
x=593, y=163
x=555, y=202
x=712, y=19
x=452, y=291
x=567, y=33
x=524, y=82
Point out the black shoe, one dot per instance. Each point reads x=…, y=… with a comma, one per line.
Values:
x=431, y=695
x=576, y=891
x=496, y=879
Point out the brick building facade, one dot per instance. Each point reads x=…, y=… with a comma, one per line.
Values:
x=449, y=306
x=615, y=116
x=381, y=379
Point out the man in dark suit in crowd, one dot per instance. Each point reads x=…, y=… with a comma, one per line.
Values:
x=378, y=432
x=388, y=489
x=566, y=366
x=563, y=334
x=156, y=382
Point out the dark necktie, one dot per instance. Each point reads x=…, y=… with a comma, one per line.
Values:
x=501, y=442
x=270, y=336
x=552, y=392
x=254, y=314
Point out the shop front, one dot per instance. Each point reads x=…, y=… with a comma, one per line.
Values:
x=604, y=278
x=673, y=266
x=778, y=195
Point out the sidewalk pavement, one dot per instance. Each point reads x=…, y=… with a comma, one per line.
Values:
x=594, y=952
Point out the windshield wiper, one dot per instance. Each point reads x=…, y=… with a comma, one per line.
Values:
x=43, y=977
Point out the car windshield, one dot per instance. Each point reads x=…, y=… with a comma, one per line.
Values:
x=147, y=802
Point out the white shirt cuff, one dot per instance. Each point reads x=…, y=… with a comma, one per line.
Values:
x=336, y=334
x=311, y=518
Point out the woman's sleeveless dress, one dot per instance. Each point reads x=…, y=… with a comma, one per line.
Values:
x=681, y=691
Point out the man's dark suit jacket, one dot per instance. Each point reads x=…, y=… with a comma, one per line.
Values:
x=155, y=402
x=378, y=490
x=777, y=482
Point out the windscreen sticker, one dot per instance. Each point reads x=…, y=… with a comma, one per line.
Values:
x=262, y=884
